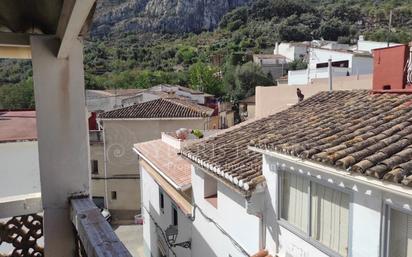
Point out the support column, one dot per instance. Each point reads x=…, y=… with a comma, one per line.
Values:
x=63, y=138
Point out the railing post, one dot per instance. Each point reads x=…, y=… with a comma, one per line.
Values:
x=62, y=138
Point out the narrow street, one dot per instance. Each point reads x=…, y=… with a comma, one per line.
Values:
x=132, y=238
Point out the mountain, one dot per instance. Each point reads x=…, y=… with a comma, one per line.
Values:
x=165, y=16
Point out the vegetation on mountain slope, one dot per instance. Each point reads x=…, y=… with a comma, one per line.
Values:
x=219, y=61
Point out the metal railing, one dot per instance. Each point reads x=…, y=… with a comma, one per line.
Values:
x=96, y=136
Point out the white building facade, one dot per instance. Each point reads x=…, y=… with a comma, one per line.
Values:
x=345, y=216
x=344, y=63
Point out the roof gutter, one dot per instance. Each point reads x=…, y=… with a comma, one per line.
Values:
x=176, y=186
x=356, y=178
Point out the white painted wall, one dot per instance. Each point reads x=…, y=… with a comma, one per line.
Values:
x=358, y=65
x=150, y=202
x=291, y=51
x=368, y=46
x=230, y=215
x=362, y=65
x=319, y=55
x=207, y=239
x=19, y=168
x=365, y=215
x=304, y=77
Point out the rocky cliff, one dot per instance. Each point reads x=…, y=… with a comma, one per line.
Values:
x=170, y=16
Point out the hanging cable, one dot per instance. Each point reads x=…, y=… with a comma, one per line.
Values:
x=233, y=241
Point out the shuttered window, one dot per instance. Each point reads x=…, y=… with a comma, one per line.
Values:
x=295, y=200
x=330, y=218
x=325, y=210
x=400, y=234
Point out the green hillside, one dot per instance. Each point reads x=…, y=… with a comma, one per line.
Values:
x=142, y=60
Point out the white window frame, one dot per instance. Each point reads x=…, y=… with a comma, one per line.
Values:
x=386, y=218
x=308, y=236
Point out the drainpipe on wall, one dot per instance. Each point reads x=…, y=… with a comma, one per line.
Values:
x=255, y=205
x=106, y=196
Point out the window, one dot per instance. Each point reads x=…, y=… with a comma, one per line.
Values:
x=319, y=213
x=95, y=167
x=399, y=234
x=114, y=195
x=210, y=190
x=330, y=218
x=161, y=202
x=295, y=200
x=174, y=216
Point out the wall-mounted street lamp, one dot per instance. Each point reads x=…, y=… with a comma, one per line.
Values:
x=171, y=234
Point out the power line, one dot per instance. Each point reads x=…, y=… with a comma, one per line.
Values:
x=222, y=230
x=233, y=241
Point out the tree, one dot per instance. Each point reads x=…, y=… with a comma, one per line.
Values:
x=291, y=29
x=186, y=54
x=245, y=78
x=333, y=29
x=19, y=96
x=205, y=78
x=239, y=16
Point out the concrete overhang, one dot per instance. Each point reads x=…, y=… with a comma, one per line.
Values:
x=20, y=19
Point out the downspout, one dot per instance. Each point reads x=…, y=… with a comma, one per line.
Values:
x=262, y=232
x=105, y=164
x=256, y=205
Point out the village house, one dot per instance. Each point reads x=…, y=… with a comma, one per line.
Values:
x=247, y=108
x=187, y=212
x=115, y=180
x=346, y=59
x=324, y=174
x=273, y=65
x=313, y=180
x=165, y=91
x=344, y=63
x=19, y=155
x=368, y=46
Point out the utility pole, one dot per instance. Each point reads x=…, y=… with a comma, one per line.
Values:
x=389, y=27
x=330, y=75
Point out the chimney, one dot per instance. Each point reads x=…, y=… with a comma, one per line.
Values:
x=390, y=69
x=361, y=37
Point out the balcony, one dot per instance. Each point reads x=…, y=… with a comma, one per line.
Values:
x=61, y=219
x=22, y=234
x=96, y=136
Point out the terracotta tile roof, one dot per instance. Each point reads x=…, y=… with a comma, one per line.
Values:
x=167, y=160
x=262, y=253
x=160, y=108
x=351, y=130
x=17, y=126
